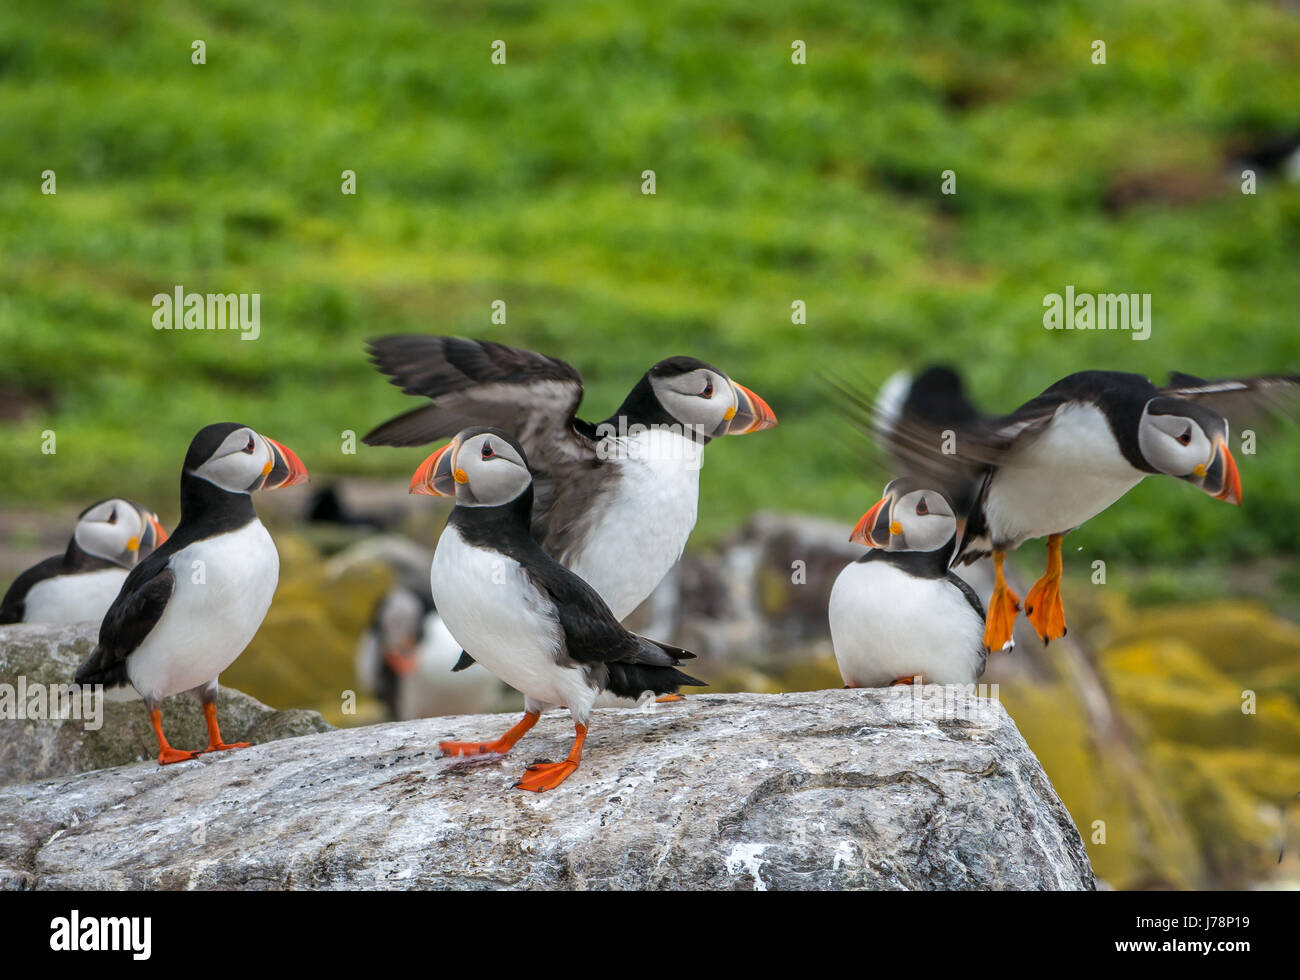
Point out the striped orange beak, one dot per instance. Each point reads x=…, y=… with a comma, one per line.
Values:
x=752, y=413
x=436, y=476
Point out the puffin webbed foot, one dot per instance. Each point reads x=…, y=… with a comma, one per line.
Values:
x=215, y=742
x=1043, y=606
x=168, y=755
x=669, y=698
x=541, y=776
x=500, y=747
x=1000, y=621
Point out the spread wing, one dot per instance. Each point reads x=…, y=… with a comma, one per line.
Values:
x=131, y=618
x=1241, y=399
x=931, y=431
x=478, y=382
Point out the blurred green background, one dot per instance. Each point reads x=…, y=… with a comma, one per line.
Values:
x=776, y=182
x=521, y=182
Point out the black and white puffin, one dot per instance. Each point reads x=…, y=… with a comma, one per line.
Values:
x=520, y=613
x=406, y=658
x=614, y=501
x=1068, y=454
x=898, y=615
x=79, y=585
x=188, y=610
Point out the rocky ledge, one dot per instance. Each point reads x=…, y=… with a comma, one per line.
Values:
x=930, y=788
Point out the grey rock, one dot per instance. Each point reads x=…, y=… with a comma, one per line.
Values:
x=39, y=749
x=930, y=788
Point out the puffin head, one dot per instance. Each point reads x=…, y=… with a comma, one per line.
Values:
x=1189, y=441
x=909, y=517
x=399, y=621
x=114, y=530
x=480, y=467
x=239, y=460
x=701, y=397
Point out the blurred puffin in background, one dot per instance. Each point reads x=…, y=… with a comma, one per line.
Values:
x=187, y=611
x=78, y=586
x=406, y=659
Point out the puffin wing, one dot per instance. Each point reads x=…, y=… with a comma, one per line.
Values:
x=478, y=382
x=14, y=605
x=594, y=637
x=131, y=618
x=1240, y=398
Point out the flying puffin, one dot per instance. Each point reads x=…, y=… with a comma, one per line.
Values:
x=519, y=612
x=898, y=613
x=188, y=610
x=406, y=658
x=1068, y=454
x=614, y=501
x=79, y=585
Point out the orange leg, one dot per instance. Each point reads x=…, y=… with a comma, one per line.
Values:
x=166, y=754
x=1003, y=606
x=1043, y=606
x=912, y=679
x=502, y=745
x=214, y=732
x=669, y=698
x=541, y=776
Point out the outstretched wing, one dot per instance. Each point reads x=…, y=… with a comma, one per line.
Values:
x=1240, y=399
x=131, y=618
x=478, y=382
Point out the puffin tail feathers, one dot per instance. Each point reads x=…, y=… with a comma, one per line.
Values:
x=630, y=680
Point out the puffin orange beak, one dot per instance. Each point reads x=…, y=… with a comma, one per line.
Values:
x=286, y=468
x=873, y=530
x=1221, y=479
x=752, y=414
x=159, y=532
x=435, y=477
x=401, y=658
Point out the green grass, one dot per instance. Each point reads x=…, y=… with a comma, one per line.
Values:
x=521, y=182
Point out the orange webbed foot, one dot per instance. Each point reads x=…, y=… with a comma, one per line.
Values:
x=226, y=746
x=473, y=748
x=541, y=776
x=1044, y=609
x=913, y=679
x=170, y=755
x=669, y=698
x=1001, y=620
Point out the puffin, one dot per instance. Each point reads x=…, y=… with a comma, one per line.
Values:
x=613, y=501
x=406, y=657
x=78, y=586
x=188, y=610
x=899, y=614
x=518, y=612
x=1068, y=454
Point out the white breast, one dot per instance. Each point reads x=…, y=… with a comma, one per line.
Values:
x=224, y=587
x=886, y=624
x=1070, y=473
x=643, y=524
x=78, y=598
x=498, y=616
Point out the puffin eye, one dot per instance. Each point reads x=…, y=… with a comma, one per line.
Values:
x=922, y=508
x=708, y=388
x=488, y=451
x=249, y=448
x=1186, y=437
x=112, y=517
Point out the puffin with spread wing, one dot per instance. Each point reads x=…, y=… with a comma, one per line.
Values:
x=614, y=501
x=1065, y=456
